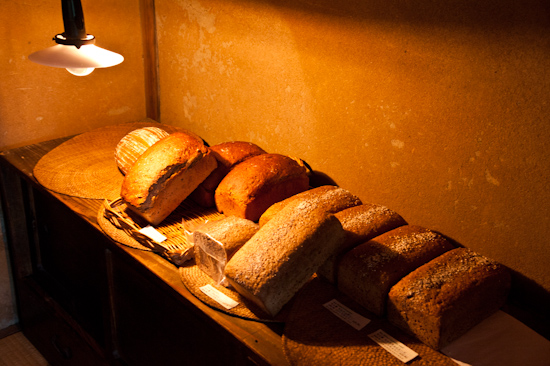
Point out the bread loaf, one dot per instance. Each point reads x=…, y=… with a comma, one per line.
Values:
x=367, y=272
x=441, y=300
x=283, y=255
x=215, y=242
x=131, y=146
x=257, y=183
x=228, y=154
x=165, y=174
x=332, y=199
x=361, y=223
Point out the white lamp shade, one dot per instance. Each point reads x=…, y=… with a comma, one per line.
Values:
x=70, y=57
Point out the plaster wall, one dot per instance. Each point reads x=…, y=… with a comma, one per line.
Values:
x=438, y=110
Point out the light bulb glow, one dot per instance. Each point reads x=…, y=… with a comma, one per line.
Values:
x=80, y=71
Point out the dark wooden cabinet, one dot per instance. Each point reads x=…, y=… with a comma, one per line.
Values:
x=85, y=300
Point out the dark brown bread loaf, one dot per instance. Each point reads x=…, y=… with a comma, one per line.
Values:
x=332, y=199
x=441, y=300
x=216, y=242
x=283, y=255
x=228, y=154
x=257, y=183
x=367, y=272
x=361, y=223
x=165, y=174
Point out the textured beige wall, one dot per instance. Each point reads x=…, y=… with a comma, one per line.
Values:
x=39, y=103
x=438, y=110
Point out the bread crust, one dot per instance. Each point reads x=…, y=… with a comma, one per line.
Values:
x=228, y=154
x=257, y=183
x=441, y=300
x=135, y=143
x=165, y=174
x=283, y=255
x=332, y=198
x=367, y=272
x=361, y=223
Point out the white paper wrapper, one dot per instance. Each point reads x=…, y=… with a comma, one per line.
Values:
x=500, y=340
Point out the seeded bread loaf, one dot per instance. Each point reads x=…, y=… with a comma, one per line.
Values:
x=257, y=183
x=228, y=154
x=367, y=272
x=443, y=299
x=217, y=241
x=165, y=174
x=361, y=224
x=283, y=255
x=131, y=146
x=332, y=199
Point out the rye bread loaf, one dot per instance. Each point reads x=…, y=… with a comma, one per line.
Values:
x=133, y=144
x=361, y=224
x=217, y=241
x=367, y=272
x=444, y=298
x=331, y=198
x=283, y=255
x=165, y=174
x=257, y=183
x=228, y=154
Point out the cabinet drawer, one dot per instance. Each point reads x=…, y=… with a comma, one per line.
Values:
x=49, y=330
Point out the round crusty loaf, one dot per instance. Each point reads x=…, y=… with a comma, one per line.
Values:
x=332, y=199
x=228, y=154
x=131, y=146
x=444, y=298
x=165, y=174
x=367, y=272
x=257, y=183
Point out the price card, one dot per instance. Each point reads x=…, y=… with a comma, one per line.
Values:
x=393, y=346
x=346, y=314
x=219, y=297
x=152, y=234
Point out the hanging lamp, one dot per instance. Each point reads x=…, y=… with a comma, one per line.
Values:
x=75, y=49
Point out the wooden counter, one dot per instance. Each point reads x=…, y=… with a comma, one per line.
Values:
x=85, y=300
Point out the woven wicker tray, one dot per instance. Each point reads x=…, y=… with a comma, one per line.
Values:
x=123, y=226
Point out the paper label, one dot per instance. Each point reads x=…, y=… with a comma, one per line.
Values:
x=346, y=314
x=393, y=346
x=152, y=234
x=219, y=297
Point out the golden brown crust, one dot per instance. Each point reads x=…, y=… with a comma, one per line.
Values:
x=228, y=154
x=332, y=198
x=361, y=223
x=256, y=183
x=367, y=272
x=283, y=255
x=135, y=143
x=164, y=175
x=441, y=300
